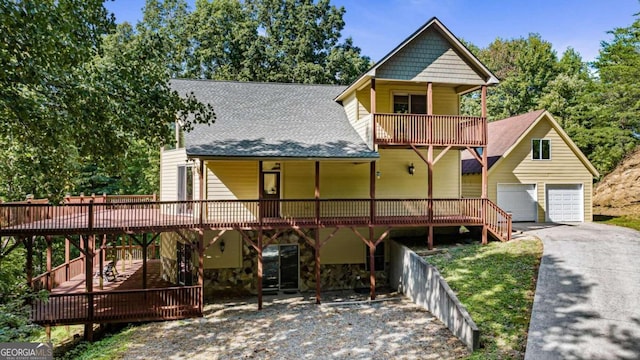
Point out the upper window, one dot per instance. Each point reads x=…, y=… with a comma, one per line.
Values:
x=541, y=149
x=410, y=104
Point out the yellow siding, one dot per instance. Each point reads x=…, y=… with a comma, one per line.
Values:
x=364, y=102
x=350, y=105
x=232, y=255
x=169, y=162
x=395, y=181
x=445, y=99
x=345, y=247
x=229, y=180
x=564, y=167
x=471, y=186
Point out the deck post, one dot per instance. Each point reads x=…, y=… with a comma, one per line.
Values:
x=88, y=327
x=201, y=268
x=318, y=245
x=430, y=195
x=144, y=260
x=429, y=98
x=259, y=285
x=49, y=261
x=123, y=251
x=372, y=266
x=372, y=192
x=67, y=257
x=373, y=97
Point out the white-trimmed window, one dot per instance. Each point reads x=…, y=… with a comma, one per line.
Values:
x=185, y=188
x=541, y=149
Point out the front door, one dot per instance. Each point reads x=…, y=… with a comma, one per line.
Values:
x=271, y=193
x=280, y=267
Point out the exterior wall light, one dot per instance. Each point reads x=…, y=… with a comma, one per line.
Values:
x=378, y=174
x=411, y=169
x=222, y=246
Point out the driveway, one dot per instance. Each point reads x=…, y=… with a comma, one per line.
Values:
x=587, y=302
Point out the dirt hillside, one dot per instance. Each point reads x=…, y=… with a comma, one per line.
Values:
x=618, y=193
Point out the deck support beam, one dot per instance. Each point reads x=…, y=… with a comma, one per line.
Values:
x=200, y=268
x=317, y=247
x=259, y=248
x=372, y=265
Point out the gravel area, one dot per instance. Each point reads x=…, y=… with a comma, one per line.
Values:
x=295, y=328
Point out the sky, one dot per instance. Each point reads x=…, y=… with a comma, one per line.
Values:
x=378, y=26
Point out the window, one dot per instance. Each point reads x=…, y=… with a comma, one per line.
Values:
x=541, y=149
x=410, y=104
x=185, y=188
x=378, y=257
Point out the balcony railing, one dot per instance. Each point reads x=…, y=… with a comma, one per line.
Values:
x=225, y=214
x=419, y=129
x=118, y=306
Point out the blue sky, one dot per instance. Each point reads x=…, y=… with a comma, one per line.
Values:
x=377, y=26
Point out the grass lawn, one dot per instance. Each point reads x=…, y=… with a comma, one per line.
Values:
x=496, y=283
x=112, y=346
x=632, y=222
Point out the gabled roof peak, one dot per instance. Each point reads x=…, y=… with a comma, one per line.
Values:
x=457, y=45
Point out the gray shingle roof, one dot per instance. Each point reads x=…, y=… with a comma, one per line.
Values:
x=272, y=120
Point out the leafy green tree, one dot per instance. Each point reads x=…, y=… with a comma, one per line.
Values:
x=73, y=92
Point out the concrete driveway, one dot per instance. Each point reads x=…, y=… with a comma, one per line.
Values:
x=587, y=302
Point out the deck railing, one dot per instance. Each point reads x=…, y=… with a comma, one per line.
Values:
x=60, y=274
x=118, y=306
x=141, y=216
x=420, y=129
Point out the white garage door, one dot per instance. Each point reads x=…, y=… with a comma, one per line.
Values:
x=519, y=200
x=564, y=202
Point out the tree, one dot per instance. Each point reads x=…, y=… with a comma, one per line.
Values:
x=74, y=92
x=525, y=67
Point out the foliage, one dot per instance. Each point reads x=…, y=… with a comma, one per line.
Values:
x=74, y=92
x=113, y=346
x=255, y=40
x=14, y=313
x=496, y=284
x=599, y=107
x=630, y=221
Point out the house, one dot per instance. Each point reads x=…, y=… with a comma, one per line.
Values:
x=297, y=186
x=536, y=172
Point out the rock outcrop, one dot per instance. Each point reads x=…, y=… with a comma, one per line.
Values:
x=618, y=193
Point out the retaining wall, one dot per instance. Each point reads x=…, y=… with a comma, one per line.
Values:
x=423, y=284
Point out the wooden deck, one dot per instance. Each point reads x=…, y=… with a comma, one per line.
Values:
x=105, y=218
x=122, y=300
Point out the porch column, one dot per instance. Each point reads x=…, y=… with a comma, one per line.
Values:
x=260, y=192
x=372, y=192
x=430, y=195
x=201, y=191
x=317, y=233
x=260, y=266
x=485, y=165
x=49, y=263
x=429, y=98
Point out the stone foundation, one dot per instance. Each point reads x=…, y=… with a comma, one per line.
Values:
x=243, y=281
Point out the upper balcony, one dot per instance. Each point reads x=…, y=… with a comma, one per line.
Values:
x=421, y=130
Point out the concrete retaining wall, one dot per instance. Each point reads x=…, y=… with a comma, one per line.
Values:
x=423, y=284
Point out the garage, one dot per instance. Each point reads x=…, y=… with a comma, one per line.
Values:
x=564, y=203
x=519, y=200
